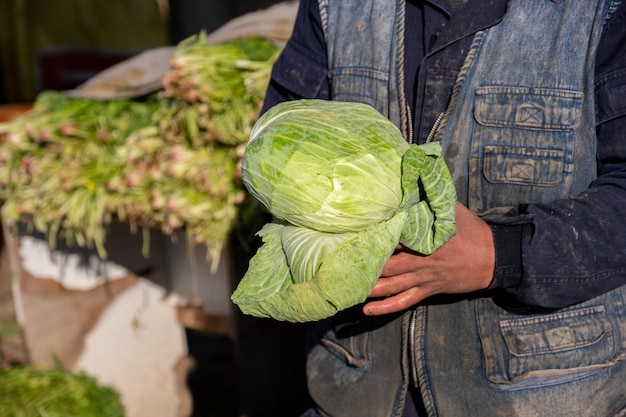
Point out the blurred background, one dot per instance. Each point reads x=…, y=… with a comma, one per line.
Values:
x=59, y=44
x=155, y=324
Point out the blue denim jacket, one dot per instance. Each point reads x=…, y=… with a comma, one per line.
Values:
x=483, y=354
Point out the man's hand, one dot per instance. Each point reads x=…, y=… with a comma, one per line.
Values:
x=464, y=264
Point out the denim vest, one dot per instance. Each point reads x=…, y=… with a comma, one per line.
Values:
x=520, y=127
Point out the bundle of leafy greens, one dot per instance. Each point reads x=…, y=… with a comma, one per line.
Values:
x=169, y=160
x=344, y=188
x=29, y=392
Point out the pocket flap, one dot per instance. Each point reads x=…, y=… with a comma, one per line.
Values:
x=555, y=333
x=528, y=108
x=527, y=166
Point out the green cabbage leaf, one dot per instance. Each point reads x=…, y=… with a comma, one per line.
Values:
x=344, y=189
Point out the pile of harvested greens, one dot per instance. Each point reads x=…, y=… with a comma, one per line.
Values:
x=169, y=160
x=29, y=392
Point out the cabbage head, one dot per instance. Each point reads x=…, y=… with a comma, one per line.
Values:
x=344, y=188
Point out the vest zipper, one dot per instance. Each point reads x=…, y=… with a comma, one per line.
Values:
x=409, y=123
x=433, y=129
x=412, y=347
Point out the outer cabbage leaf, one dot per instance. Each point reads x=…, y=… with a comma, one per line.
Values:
x=430, y=199
x=344, y=277
x=268, y=273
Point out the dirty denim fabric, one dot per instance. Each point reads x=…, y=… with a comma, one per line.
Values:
x=409, y=410
x=533, y=140
x=525, y=115
x=524, y=362
x=484, y=354
x=361, y=58
x=357, y=365
x=520, y=128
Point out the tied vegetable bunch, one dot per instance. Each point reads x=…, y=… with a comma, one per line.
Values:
x=344, y=188
x=70, y=167
x=213, y=92
x=56, y=160
x=169, y=160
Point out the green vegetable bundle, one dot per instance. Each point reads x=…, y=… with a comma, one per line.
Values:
x=213, y=93
x=57, y=159
x=169, y=160
x=344, y=188
x=29, y=392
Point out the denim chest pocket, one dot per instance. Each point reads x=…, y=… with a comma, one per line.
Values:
x=522, y=145
x=537, y=109
x=524, y=351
